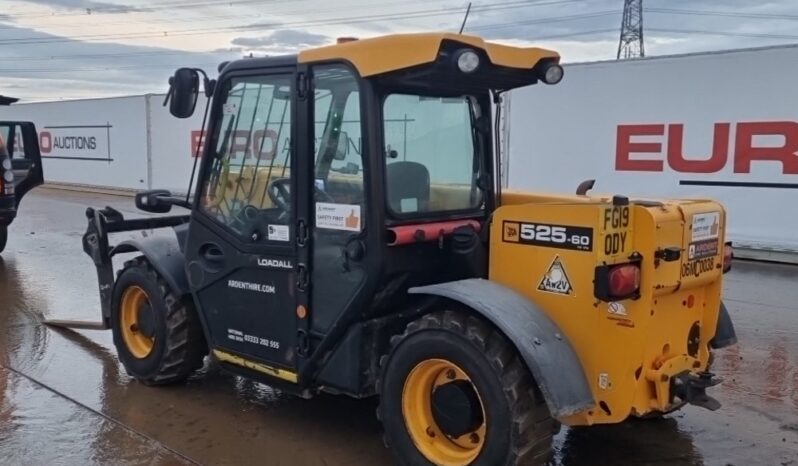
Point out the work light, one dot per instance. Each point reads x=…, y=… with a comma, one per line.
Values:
x=8, y=176
x=468, y=61
x=553, y=74
x=6, y=164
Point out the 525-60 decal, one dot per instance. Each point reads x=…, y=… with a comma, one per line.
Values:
x=548, y=235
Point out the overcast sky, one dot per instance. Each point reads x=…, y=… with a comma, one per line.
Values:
x=65, y=49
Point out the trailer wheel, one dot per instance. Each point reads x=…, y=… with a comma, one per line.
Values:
x=3, y=237
x=455, y=392
x=157, y=335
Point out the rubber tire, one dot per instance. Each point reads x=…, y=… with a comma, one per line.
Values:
x=3, y=237
x=180, y=345
x=508, y=392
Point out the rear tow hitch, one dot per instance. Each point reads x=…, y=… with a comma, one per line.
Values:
x=692, y=388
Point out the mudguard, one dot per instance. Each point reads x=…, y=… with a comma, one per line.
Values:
x=165, y=256
x=548, y=354
x=725, y=335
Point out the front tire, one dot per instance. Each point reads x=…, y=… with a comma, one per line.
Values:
x=157, y=335
x=455, y=392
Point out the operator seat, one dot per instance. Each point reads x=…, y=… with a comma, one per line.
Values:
x=408, y=187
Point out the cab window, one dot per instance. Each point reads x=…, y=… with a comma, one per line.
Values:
x=431, y=153
x=247, y=185
x=339, y=147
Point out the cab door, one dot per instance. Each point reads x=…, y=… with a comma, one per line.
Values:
x=20, y=142
x=242, y=250
x=341, y=245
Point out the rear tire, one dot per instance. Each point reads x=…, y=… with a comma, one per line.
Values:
x=157, y=335
x=3, y=237
x=516, y=427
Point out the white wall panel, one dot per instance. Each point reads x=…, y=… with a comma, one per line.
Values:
x=737, y=112
x=100, y=142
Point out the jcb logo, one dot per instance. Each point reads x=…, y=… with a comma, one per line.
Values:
x=511, y=232
x=633, y=141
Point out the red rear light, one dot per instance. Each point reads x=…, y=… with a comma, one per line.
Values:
x=624, y=280
x=728, y=255
x=616, y=282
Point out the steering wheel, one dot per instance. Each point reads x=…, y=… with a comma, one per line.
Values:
x=280, y=194
x=246, y=218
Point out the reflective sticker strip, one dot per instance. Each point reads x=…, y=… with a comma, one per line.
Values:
x=256, y=366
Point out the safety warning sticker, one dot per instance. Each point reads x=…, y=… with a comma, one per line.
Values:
x=705, y=226
x=556, y=279
x=279, y=233
x=338, y=216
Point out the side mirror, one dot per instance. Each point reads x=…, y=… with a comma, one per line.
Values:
x=343, y=146
x=183, y=92
x=158, y=201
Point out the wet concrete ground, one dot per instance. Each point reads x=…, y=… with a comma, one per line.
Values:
x=65, y=399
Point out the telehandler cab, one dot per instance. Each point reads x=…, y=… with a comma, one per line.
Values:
x=20, y=167
x=349, y=235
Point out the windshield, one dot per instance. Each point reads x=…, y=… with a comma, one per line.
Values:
x=432, y=156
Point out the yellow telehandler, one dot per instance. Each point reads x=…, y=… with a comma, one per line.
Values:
x=349, y=234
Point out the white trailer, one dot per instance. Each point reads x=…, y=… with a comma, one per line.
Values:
x=720, y=125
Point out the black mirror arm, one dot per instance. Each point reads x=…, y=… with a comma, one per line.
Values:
x=178, y=201
x=169, y=94
x=208, y=84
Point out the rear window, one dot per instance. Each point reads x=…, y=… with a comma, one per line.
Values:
x=431, y=154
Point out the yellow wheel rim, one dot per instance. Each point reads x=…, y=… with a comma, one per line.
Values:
x=134, y=300
x=428, y=437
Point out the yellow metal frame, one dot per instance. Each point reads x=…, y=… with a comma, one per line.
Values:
x=384, y=54
x=661, y=378
x=626, y=348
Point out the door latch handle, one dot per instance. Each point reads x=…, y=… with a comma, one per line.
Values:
x=669, y=254
x=302, y=277
x=301, y=233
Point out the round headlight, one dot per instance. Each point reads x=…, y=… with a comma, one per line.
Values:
x=6, y=164
x=553, y=74
x=8, y=176
x=468, y=61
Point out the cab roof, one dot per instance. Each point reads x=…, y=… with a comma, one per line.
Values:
x=379, y=55
x=425, y=62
